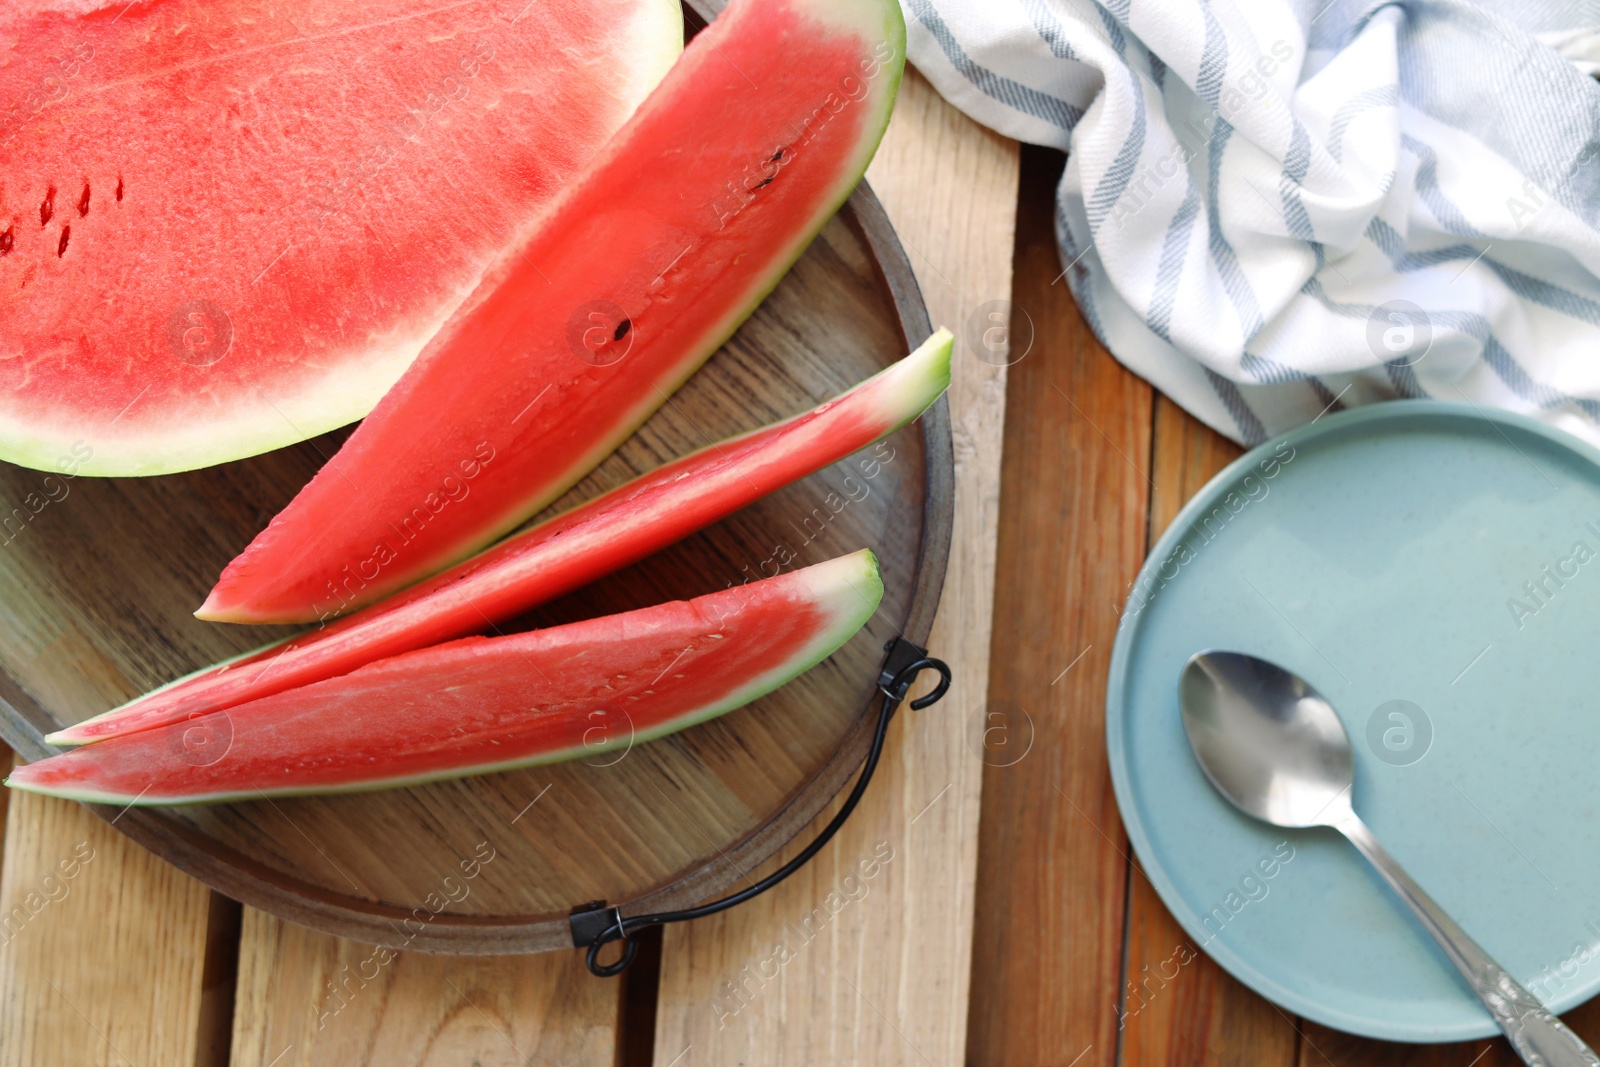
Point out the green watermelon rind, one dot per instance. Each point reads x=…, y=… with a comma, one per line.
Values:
x=330, y=400
x=851, y=585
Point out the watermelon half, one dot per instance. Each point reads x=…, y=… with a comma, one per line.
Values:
x=643, y=267
x=557, y=556
x=229, y=225
x=486, y=704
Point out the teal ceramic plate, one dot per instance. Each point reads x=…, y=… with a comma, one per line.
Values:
x=1434, y=570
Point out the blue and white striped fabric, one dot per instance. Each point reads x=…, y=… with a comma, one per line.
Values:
x=1273, y=208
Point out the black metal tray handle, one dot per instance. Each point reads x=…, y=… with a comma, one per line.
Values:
x=597, y=924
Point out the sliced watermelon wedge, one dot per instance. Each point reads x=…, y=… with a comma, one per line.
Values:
x=643, y=267
x=555, y=557
x=229, y=225
x=486, y=704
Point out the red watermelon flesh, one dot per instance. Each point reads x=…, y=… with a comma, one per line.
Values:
x=647, y=262
x=229, y=225
x=555, y=557
x=486, y=704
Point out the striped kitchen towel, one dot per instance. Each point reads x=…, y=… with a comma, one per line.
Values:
x=1273, y=209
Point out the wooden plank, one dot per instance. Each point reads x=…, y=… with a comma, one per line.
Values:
x=1321, y=1046
x=310, y=998
x=864, y=956
x=1176, y=1005
x=1073, y=496
x=7, y=757
x=102, y=946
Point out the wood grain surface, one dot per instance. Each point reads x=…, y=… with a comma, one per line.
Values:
x=102, y=946
x=863, y=958
x=307, y=997
x=1052, y=865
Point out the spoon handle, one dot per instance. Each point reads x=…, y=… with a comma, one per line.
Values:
x=1537, y=1036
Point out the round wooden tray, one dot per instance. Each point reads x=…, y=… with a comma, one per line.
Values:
x=99, y=583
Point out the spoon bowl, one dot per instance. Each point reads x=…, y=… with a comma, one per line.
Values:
x=1269, y=743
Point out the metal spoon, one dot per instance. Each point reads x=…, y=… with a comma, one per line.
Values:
x=1276, y=749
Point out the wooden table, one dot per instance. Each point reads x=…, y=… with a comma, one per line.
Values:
x=1003, y=934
